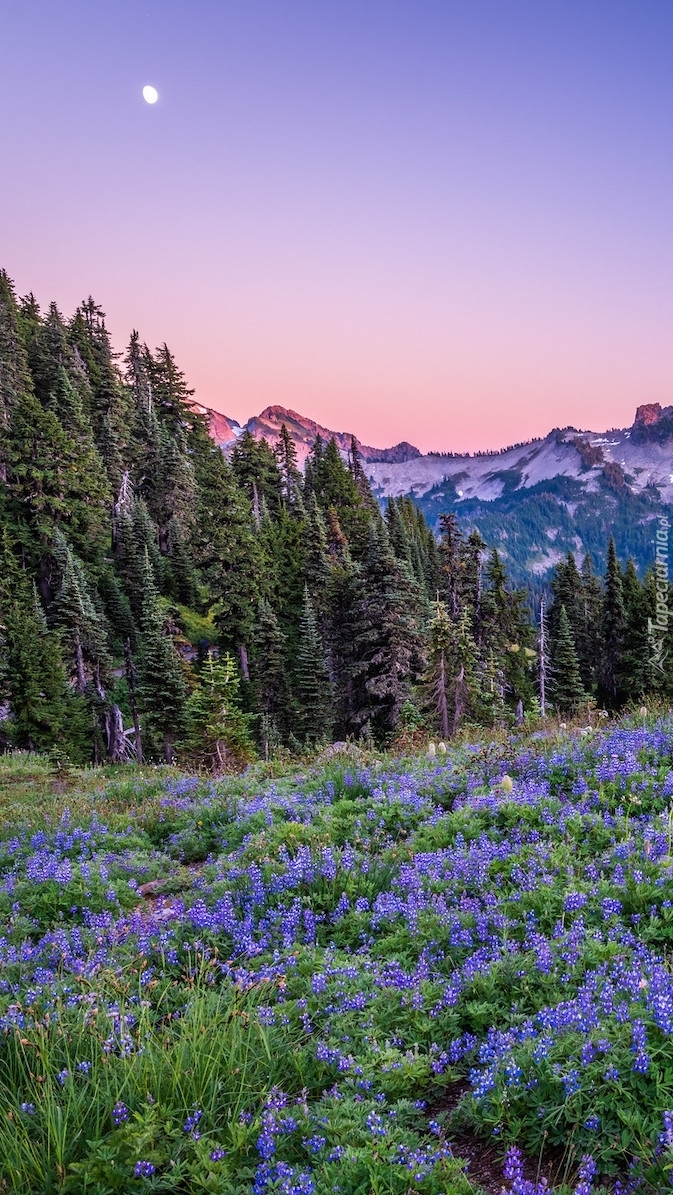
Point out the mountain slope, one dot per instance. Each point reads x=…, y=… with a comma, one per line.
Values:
x=535, y=501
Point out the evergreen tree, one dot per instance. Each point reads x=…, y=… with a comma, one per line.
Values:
x=227, y=553
x=162, y=690
x=387, y=638
x=111, y=403
x=256, y=470
x=568, y=592
x=83, y=629
x=217, y=732
x=451, y=682
x=335, y=487
x=312, y=684
x=15, y=380
x=316, y=560
x=634, y=678
x=450, y=563
x=269, y=671
x=568, y=690
x=613, y=627
x=286, y=455
x=588, y=636
x=506, y=632
x=470, y=579
x=44, y=712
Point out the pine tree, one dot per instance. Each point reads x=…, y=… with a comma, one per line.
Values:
x=256, y=470
x=567, y=590
x=111, y=403
x=588, y=637
x=451, y=682
x=83, y=629
x=227, y=553
x=470, y=580
x=286, y=456
x=450, y=563
x=437, y=678
x=387, y=638
x=506, y=632
x=15, y=380
x=162, y=690
x=44, y=713
x=568, y=690
x=613, y=627
x=269, y=671
x=316, y=560
x=312, y=684
x=335, y=487
x=217, y=732
x=634, y=664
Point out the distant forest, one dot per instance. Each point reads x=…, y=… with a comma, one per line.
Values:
x=160, y=602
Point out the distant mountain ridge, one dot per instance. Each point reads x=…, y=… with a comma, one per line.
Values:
x=267, y=425
x=535, y=501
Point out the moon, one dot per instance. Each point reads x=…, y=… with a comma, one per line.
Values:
x=150, y=94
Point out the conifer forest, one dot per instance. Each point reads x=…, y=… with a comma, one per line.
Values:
x=161, y=602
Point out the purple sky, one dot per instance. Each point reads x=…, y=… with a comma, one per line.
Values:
x=447, y=222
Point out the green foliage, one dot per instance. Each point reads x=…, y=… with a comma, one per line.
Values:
x=147, y=548
x=217, y=733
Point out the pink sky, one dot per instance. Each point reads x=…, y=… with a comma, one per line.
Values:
x=445, y=223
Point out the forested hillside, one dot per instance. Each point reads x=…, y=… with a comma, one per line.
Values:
x=157, y=599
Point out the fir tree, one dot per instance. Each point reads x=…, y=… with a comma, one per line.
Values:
x=15, y=380
x=162, y=690
x=83, y=629
x=568, y=690
x=450, y=563
x=387, y=638
x=613, y=627
x=269, y=671
x=438, y=680
x=312, y=684
x=44, y=713
x=291, y=483
x=217, y=732
x=588, y=636
x=227, y=553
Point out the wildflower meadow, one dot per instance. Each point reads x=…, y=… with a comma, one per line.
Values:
x=369, y=977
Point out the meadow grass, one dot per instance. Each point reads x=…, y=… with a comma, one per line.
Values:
x=335, y=979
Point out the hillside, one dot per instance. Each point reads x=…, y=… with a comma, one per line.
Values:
x=536, y=501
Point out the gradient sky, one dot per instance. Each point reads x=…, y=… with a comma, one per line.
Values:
x=447, y=221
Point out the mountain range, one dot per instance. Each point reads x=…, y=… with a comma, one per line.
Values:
x=535, y=501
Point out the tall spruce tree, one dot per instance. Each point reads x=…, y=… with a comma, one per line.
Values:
x=613, y=627
x=387, y=638
x=217, y=732
x=44, y=712
x=162, y=690
x=312, y=683
x=568, y=689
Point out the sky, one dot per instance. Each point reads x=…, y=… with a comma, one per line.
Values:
x=442, y=221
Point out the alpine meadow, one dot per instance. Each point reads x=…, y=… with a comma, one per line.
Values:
x=331, y=863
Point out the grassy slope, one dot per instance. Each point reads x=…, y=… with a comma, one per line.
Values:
x=320, y=961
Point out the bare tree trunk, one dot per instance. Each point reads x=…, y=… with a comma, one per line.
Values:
x=459, y=707
x=114, y=731
x=243, y=660
x=255, y=505
x=442, y=704
x=169, y=739
x=130, y=680
x=79, y=664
